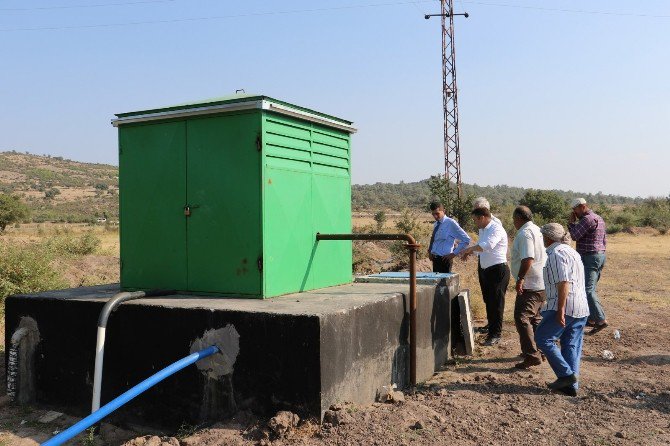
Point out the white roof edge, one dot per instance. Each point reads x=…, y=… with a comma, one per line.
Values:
x=301, y=114
x=207, y=110
x=237, y=106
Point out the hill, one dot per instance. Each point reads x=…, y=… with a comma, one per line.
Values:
x=417, y=195
x=58, y=189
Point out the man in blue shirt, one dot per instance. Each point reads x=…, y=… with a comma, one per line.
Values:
x=446, y=232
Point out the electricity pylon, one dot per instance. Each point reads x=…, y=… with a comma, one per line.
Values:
x=452, y=153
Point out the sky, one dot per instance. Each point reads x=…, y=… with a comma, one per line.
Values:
x=564, y=94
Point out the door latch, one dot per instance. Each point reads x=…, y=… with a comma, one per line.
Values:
x=188, y=207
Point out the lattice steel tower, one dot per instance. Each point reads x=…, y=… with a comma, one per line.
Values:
x=452, y=154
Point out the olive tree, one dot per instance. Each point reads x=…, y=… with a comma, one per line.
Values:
x=11, y=210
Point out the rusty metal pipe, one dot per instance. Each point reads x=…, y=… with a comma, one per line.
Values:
x=412, y=246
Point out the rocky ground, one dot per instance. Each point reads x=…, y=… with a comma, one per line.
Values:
x=480, y=400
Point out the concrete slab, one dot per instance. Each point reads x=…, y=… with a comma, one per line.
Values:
x=301, y=352
x=466, y=321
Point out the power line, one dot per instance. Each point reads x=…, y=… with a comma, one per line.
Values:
x=566, y=10
x=292, y=11
x=99, y=5
x=232, y=16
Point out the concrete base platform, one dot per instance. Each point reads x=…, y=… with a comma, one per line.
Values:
x=301, y=352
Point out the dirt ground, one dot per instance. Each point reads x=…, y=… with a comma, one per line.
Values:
x=483, y=400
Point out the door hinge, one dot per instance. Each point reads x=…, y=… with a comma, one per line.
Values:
x=260, y=264
x=259, y=143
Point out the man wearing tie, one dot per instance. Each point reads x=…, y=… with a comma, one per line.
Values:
x=446, y=232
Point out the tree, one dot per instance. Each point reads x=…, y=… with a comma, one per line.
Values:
x=11, y=210
x=548, y=204
x=456, y=207
x=380, y=218
x=408, y=223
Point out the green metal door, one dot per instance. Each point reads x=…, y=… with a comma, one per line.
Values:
x=152, y=163
x=331, y=214
x=288, y=241
x=223, y=192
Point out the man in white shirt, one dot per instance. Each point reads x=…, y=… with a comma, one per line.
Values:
x=482, y=202
x=494, y=273
x=446, y=232
x=565, y=311
x=528, y=259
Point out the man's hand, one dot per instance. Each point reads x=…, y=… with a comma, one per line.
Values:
x=449, y=256
x=519, y=287
x=573, y=217
x=560, y=318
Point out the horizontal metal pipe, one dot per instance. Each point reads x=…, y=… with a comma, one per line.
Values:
x=412, y=247
x=408, y=238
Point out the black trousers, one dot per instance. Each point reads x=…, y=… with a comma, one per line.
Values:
x=494, y=281
x=442, y=266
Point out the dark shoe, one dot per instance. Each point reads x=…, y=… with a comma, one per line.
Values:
x=597, y=328
x=492, y=340
x=564, y=381
x=567, y=390
x=528, y=362
x=590, y=323
x=482, y=330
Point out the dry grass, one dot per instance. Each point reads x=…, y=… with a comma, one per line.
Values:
x=637, y=269
x=35, y=232
x=93, y=269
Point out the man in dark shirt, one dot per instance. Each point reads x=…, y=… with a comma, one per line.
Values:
x=588, y=229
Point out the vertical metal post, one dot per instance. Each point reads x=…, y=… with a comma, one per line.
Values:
x=412, y=247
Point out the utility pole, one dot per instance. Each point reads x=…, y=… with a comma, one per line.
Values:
x=452, y=153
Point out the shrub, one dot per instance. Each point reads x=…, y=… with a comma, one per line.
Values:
x=11, y=210
x=614, y=228
x=410, y=224
x=624, y=220
x=51, y=193
x=380, y=219
x=548, y=204
x=65, y=244
x=26, y=269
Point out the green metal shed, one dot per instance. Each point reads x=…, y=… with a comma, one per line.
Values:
x=225, y=197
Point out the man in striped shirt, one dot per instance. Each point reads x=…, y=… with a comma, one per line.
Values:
x=565, y=311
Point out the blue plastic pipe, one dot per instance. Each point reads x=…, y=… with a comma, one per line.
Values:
x=119, y=401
